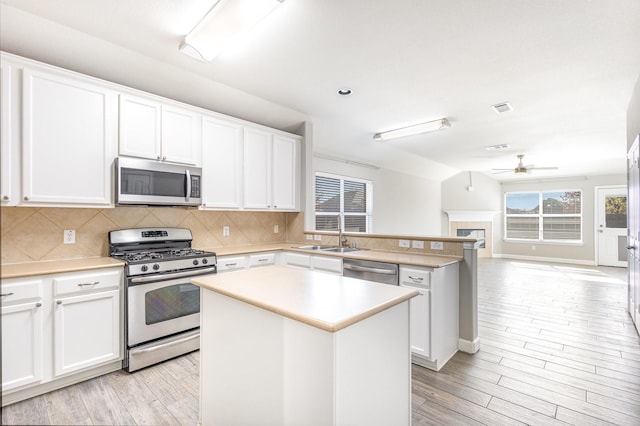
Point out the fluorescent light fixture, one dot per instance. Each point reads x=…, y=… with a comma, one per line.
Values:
x=224, y=24
x=430, y=126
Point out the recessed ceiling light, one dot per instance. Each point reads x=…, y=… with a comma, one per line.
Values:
x=497, y=147
x=345, y=91
x=502, y=107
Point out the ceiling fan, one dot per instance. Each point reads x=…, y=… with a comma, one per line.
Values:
x=521, y=168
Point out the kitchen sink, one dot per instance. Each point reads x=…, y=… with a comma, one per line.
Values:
x=332, y=249
x=341, y=249
x=316, y=247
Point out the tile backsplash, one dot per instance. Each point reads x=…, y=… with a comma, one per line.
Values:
x=30, y=234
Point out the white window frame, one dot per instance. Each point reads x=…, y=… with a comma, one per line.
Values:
x=369, y=205
x=541, y=216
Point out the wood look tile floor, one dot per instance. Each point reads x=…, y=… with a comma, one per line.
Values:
x=557, y=347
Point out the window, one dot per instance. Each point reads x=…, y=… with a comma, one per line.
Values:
x=559, y=219
x=345, y=200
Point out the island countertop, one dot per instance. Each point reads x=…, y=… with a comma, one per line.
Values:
x=324, y=301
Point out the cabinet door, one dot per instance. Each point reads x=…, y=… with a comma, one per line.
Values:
x=232, y=263
x=298, y=260
x=22, y=334
x=68, y=138
x=140, y=127
x=257, y=169
x=262, y=259
x=181, y=136
x=328, y=264
x=221, y=164
x=86, y=331
x=7, y=96
x=420, y=320
x=285, y=174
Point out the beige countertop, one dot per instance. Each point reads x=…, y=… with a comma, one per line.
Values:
x=324, y=301
x=414, y=259
x=17, y=270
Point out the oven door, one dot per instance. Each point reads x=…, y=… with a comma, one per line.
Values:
x=160, y=309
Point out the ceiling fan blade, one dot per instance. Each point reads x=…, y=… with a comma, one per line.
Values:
x=542, y=168
x=502, y=171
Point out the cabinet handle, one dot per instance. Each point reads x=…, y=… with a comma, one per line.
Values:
x=416, y=278
x=58, y=302
x=158, y=158
x=38, y=304
x=230, y=264
x=263, y=260
x=26, y=198
x=164, y=158
x=5, y=197
x=6, y=294
x=87, y=284
x=275, y=207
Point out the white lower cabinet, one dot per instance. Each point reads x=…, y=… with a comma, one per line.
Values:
x=22, y=333
x=238, y=262
x=86, y=318
x=59, y=329
x=329, y=264
x=434, y=314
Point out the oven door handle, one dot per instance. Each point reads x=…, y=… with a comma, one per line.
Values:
x=138, y=280
x=173, y=342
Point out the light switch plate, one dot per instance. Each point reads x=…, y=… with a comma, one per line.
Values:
x=437, y=245
x=275, y=228
x=403, y=243
x=309, y=237
x=225, y=231
x=317, y=237
x=417, y=244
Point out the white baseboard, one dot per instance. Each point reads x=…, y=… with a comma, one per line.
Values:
x=546, y=259
x=468, y=346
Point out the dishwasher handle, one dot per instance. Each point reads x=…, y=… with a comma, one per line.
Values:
x=368, y=269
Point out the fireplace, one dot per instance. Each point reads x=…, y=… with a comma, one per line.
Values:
x=476, y=233
x=474, y=224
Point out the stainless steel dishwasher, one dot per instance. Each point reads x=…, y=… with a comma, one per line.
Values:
x=380, y=272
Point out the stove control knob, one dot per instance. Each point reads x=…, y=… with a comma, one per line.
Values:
x=195, y=262
x=144, y=268
x=205, y=261
x=156, y=267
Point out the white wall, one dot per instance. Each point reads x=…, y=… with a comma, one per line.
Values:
x=402, y=204
x=580, y=253
x=633, y=115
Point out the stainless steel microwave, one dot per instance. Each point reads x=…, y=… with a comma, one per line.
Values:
x=150, y=183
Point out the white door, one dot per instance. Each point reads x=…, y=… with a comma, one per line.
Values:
x=612, y=226
x=633, y=242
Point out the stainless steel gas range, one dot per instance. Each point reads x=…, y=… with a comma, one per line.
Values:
x=162, y=315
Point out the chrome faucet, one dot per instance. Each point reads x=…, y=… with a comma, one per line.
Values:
x=342, y=240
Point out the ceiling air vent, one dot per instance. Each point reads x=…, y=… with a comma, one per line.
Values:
x=502, y=107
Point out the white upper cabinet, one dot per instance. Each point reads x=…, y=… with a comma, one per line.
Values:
x=221, y=164
x=285, y=172
x=68, y=139
x=271, y=171
x=257, y=169
x=158, y=131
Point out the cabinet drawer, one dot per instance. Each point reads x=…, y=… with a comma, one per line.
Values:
x=231, y=263
x=415, y=277
x=262, y=259
x=87, y=282
x=21, y=291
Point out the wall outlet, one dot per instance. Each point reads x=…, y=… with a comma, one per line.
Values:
x=533, y=248
x=309, y=237
x=437, y=245
x=275, y=228
x=69, y=236
x=317, y=237
x=403, y=243
x=225, y=231
x=417, y=244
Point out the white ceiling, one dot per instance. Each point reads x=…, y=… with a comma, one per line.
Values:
x=568, y=67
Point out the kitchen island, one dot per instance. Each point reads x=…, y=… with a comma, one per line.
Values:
x=292, y=347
